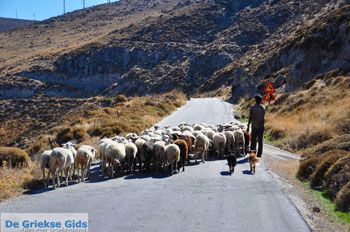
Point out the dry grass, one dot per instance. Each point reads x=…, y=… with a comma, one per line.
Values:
x=13, y=181
x=13, y=157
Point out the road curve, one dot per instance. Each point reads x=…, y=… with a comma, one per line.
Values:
x=203, y=198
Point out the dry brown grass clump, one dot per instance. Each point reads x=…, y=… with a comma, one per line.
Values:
x=317, y=179
x=337, y=176
x=342, y=201
x=13, y=181
x=13, y=157
x=307, y=167
x=68, y=134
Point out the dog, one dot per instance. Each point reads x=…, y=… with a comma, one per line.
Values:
x=232, y=161
x=252, y=161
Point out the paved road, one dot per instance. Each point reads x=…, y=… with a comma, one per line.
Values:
x=203, y=198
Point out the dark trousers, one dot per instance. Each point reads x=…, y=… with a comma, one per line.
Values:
x=257, y=135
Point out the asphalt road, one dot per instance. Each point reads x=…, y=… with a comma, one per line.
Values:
x=203, y=198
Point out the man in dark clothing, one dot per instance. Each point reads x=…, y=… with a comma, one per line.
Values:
x=257, y=120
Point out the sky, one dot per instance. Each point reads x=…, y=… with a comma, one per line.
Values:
x=41, y=9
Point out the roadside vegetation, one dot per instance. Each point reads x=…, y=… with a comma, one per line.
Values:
x=100, y=117
x=315, y=122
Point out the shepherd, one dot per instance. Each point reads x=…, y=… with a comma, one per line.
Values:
x=257, y=120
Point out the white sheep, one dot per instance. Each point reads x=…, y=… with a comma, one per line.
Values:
x=230, y=141
x=139, y=144
x=186, y=128
x=45, y=164
x=130, y=155
x=210, y=133
x=239, y=141
x=172, y=152
x=62, y=159
x=115, y=155
x=83, y=160
x=219, y=141
x=201, y=146
x=159, y=155
x=102, y=145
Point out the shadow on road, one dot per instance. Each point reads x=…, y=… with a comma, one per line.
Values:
x=225, y=173
x=247, y=172
x=242, y=161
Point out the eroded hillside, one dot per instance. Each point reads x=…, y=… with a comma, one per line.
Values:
x=140, y=47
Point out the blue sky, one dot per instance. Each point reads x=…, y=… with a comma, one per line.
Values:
x=42, y=9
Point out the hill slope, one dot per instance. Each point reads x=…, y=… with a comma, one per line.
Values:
x=139, y=47
x=7, y=24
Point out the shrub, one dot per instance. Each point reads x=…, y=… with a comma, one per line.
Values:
x=277, y=133
x=307, y=167
x=68, y=134
x=14, y=157
x=305, y=140
x=96, y=131
x=343, y=127
x=338, y=143
x=328, y=159
x=337, y=176
x=342, y=201
x=120, y=99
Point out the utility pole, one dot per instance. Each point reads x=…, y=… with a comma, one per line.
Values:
x=16, y=15
x=83, y=4
x=33, y=16
x=64, y=6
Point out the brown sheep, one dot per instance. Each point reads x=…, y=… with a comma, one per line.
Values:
x=182, y=144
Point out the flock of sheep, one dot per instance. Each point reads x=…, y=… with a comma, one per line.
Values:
x=157, y=149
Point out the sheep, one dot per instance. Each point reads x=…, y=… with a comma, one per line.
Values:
x=230, y=141
x=201, y=147
x=219, y=141
x=189, y=140
x=132, y=136
x=148, y=154
x=115, y=155
x=210, y=133
x=186, y=128
x=83, y=160
x=182, y=144
x=62, y=159
x=102, y=145
x=45, y=164
x=198, y=127
x=159, y=155
x=130, y=155
x=139, y=144
x=195, y=133
x=172, y=152
x=239, y=142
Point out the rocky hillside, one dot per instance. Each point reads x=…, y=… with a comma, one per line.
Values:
x=318, y=50
x=7, y=24
x=139, y=47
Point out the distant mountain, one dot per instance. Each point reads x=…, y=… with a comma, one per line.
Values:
x=137, y=47
x=7, y=24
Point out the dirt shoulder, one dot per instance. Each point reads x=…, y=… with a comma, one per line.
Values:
x=312, y=210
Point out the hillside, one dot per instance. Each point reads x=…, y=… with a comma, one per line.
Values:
x=7, y=24
x=140, y=47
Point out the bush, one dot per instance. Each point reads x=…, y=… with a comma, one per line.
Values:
x=328, y=159
x=68, y=134
x=307, y=167
x=307, y=139
x=337, y=176
x=342, y=201
x=276, y=133
x=343, y=127
x=338, y=143
x=14, y=157
x=120, y=99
